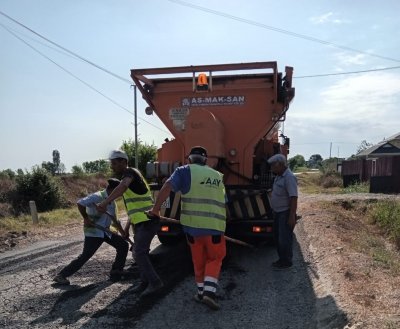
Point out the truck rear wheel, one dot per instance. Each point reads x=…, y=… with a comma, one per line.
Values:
x=169, y=240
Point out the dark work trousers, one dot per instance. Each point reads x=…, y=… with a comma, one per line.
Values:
x=283, y=236
x=144, y=234
x=91, y=245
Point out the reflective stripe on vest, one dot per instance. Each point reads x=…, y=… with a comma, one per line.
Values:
x=137, y=204
x=204, y=205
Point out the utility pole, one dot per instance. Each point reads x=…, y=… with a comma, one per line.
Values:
x=330, y=151
x=136, y=139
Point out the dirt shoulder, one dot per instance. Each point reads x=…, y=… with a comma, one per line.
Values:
x=353, y=261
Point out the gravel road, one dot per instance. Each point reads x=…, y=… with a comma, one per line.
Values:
x=251, y=294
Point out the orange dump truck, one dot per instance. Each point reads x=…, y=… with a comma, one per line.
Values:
x=235, y=111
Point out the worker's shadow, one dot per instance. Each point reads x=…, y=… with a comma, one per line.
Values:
x=68, y=304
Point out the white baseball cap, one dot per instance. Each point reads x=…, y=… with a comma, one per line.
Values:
x=118, y=154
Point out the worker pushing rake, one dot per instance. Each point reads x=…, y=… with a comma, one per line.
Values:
x=203, y=217
x=97, y=230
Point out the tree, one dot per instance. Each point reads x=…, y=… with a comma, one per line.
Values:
x=97, y=166
x=146, y=153
x=363, y=146
x=77, y=170
x=315, y=161
x=55, y=167
x=56, y=160
x=7, y=173
x=296, y=162
x=49, y=167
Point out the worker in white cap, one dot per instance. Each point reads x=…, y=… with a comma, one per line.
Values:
x=284, y=205
x=138, y=199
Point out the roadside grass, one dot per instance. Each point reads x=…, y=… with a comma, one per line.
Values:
x=317, y=182
x=376, y=247
x=329, y=182
x=48, y=220
x=386, y=214
x=375, y=229
x=301, y=169
x=356, y=188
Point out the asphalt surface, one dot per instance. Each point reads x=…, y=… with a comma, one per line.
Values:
x=251, y=294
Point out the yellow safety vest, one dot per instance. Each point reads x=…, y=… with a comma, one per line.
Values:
x=204, y=205
x=137, y=204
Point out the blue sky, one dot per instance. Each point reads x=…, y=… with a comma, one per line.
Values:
x=42, y=108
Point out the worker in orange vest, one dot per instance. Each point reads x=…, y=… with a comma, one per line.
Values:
x=203, y=216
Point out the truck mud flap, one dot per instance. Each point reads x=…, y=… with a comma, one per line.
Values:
x=247, y=204
x=172, y=208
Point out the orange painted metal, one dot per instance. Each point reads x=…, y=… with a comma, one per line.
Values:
x=237, y=117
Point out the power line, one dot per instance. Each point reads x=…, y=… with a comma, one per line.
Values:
x=74, y=55
x=42, y=43
x=279, y=30
x=77, y=78
x=67, y=50
x=345, y=73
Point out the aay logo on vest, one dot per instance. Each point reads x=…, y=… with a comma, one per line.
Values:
x=211, y=182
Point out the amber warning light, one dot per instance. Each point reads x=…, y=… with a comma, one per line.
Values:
x=202, y=83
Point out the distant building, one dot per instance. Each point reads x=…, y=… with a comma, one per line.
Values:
x=378, y=164
x=388, y=147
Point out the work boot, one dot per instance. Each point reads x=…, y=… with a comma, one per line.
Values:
x=198, y=298
x=59, y=279
x=140, y=287
x=118, y=275
x=276, y=262
x=209, y=300
x=152, y=289
x=281, y=265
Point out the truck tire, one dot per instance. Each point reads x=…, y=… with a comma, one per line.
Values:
x=169, y=240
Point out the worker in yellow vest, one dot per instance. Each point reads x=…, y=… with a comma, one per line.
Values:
x=137, y=197
x=203, y=216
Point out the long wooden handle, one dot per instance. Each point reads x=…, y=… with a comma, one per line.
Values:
x=111, y=232
x=227, y=238
x=114, y=220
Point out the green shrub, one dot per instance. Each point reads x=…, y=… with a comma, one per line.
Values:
x=40, y=187
x=362, y=187
x=77, y=171
x=387, y=215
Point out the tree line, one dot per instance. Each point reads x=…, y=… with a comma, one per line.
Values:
x=317, y=162
x=43, y=182
x=146, y=153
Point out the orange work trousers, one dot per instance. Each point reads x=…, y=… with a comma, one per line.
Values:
x=207, y=256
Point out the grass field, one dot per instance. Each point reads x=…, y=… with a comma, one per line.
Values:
x=48, y=219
